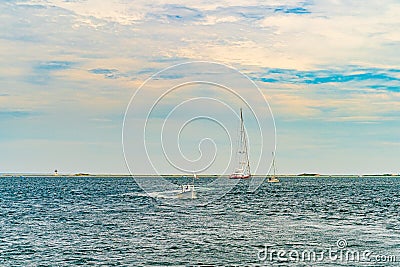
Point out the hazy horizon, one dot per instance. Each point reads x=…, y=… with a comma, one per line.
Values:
x=328, y=70
x=188, y=175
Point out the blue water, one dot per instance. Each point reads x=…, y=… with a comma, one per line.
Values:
x=112, y=222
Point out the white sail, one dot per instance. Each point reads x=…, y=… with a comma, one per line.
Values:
x=242, y=171
x=273, y=179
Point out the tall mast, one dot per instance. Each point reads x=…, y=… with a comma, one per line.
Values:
x=273, y=162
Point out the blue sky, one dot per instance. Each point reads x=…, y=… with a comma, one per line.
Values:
x=330, y=71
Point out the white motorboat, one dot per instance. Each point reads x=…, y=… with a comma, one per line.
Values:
x=188, y=191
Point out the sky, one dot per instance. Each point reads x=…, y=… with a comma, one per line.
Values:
x=329, y=71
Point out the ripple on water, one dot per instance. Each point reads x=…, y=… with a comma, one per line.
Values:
x=112, y=222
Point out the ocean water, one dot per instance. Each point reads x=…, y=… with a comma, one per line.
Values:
x=94, y=221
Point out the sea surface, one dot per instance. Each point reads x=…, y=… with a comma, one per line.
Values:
x=102, y=221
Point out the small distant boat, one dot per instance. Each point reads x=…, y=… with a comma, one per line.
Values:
x=243, y=170
x=188, y=191
x=273, y=179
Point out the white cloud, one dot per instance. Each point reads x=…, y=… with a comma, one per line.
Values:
x=111, y=11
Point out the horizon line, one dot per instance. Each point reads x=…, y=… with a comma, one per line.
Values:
x=80, y=174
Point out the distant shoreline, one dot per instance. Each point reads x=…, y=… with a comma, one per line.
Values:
x=19, y=175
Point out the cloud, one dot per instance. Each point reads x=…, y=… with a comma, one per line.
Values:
x=111, y=11
x=386, y=87
x=175, y=13
x=345, y=75
x=108, y=73
x=332, y=103
x=338, y=32
x=294, y=10
x=53, y=65
x=44, y=72
x=16, y=113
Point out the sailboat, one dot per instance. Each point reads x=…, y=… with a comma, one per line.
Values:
x=273, y=179
x=243, y=169
x=188, y=191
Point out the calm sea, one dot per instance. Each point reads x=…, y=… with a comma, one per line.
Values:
x=87, y=221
